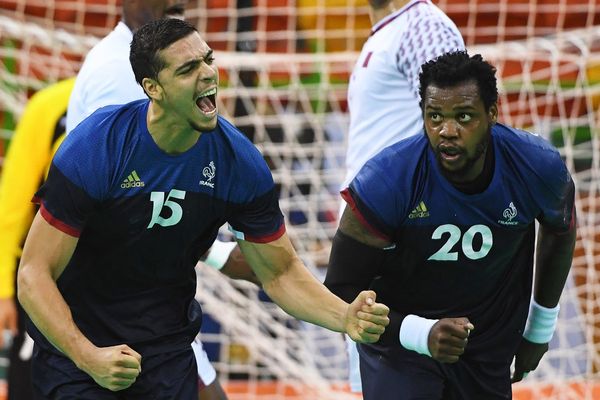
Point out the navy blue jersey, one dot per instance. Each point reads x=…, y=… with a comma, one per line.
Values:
x=461, y=255
x=143, y=218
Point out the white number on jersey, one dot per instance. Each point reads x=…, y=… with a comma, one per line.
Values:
x=158, y=202
x=445, y=253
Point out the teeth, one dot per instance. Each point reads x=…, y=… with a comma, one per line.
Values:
x=209, y=93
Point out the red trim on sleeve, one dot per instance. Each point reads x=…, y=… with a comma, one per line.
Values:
x=367, y=58
x=361, y=218
x=58, y=224
x=266, y=239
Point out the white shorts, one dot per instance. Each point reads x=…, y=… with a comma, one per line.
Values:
x=353, y=366
x=206, y=372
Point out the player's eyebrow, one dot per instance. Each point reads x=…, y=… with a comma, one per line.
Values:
x=194, y=62
x=454, y=107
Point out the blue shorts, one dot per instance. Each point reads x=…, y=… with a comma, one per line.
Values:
x=412, y=376
x=167, y=376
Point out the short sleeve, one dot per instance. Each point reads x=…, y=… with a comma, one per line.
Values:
x=73, y=187
x=63, y=204
x=557, y=195
x=255, y=215
x=372, y=198
x=259, y=221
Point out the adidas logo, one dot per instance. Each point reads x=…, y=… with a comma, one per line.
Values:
x=420, y=211
x=133, y=180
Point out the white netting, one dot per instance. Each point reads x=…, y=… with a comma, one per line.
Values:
x=286, y=89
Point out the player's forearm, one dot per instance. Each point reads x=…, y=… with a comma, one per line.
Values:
x=298, y=293
x=14, y=222
x=554, y=258
x=352, y=266
x=41, y=299
x=236, y=267
x=7, y=277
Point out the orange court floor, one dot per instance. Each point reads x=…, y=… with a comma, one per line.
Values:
x=241, y=390
x=577, y=390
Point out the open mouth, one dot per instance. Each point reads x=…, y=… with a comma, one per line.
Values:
x=206, y=102
x=449, y=153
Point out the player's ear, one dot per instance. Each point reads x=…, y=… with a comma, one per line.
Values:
x=493, y=113
x=152, y=88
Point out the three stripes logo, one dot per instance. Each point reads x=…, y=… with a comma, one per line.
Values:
x=420, y=211
x=132, y=181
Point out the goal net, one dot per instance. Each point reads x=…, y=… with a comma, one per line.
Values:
x=284, y=67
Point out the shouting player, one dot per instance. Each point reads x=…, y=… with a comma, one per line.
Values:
x=107, y=274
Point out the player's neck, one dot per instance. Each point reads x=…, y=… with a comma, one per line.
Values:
x=398, y=4
x=483, y=179
x=167, y=131
x=377, y=14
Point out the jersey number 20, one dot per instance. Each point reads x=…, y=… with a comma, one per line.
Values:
x=445, y=253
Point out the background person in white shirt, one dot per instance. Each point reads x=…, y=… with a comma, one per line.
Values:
x=106, y=78
x=383, y=92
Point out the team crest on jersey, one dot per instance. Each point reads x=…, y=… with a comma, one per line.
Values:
x=509, y=214
x=209, y=174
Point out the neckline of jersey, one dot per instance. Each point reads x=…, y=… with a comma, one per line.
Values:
x=454, y=191
x=152, y=146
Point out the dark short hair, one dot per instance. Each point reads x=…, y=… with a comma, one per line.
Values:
x=457, y=67
x=149, y=40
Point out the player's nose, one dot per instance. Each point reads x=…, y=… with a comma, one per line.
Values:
x=449, y=129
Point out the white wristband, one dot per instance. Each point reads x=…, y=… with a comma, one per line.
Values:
x=541, y=323
x=219, y=253
x=414, y=333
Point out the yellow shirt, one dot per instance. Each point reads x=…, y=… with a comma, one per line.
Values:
x=25, y=166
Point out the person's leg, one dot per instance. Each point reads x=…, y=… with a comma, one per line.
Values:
x=19, y=370
x=209, y=387
x=213, y=391
x=353, y=365
x=405, y=375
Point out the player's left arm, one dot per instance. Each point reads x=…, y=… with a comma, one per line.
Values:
x=554, y=248
x=289, y=283
x=554, y=256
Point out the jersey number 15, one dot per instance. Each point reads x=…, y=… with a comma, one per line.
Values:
x=159, y=202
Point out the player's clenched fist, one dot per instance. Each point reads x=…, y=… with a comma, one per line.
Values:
x=114, y=368
x=365, y=319
x=448, y=338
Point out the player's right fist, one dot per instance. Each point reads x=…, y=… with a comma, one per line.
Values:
x=114, y=368
x=365, y=319
x=448, y=338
